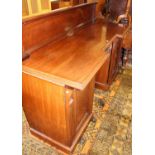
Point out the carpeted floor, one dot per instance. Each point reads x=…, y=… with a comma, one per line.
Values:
x=109, y=133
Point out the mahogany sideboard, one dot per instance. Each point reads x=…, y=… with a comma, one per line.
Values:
x=63, y=52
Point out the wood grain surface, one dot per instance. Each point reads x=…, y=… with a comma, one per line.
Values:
x=74, y=60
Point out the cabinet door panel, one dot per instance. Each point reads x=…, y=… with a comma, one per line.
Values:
x=102, y=75
x=78, y=108
x=115, y=58
x=43, y=104
x=101, y=80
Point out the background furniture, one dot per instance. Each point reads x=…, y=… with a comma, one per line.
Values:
x=34, y=7
x=54, y=4
x=30, y=7
x=117, y=10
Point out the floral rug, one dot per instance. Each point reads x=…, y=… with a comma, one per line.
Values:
x=110, y=130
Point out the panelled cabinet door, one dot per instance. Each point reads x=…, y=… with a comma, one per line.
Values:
x=115, y=58
x=102, y=75
x=78, y=109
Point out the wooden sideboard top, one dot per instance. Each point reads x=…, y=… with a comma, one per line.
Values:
x=74, y=60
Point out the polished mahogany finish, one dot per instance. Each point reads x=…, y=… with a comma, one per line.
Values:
x=56, y=109
x=59, y=72
x=102, y=75
x=56, y=114
x=42, y=29
x=115, y=59
x=75, y=60
x=109, y=70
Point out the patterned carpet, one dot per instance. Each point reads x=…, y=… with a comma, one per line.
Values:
x=108, y=133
